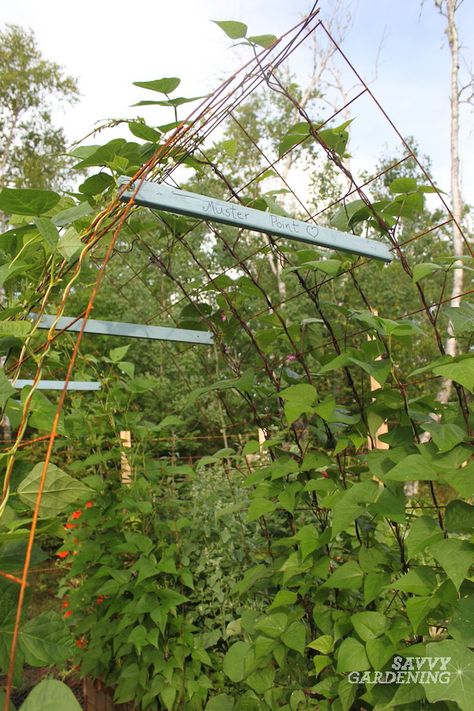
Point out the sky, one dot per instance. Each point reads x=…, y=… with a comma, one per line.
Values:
x=107, y=45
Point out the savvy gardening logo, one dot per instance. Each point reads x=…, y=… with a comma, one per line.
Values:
x=407, y=670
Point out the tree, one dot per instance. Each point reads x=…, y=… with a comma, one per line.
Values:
x=458, y=94
x=31, y=147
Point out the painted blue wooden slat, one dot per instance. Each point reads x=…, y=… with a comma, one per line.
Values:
x=130, y=330
x=182, y=202
x=58, y=384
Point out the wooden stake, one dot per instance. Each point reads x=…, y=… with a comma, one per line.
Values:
x=125, y=441
x=251, y=459
x=383, y=429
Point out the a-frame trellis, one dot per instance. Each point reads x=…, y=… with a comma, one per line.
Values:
x=100, y=240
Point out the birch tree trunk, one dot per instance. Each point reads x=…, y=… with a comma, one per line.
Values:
x=448, y=9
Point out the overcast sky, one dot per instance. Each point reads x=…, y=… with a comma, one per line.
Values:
x=109, y=44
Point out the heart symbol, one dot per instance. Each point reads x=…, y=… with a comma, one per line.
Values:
x=312, y=231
